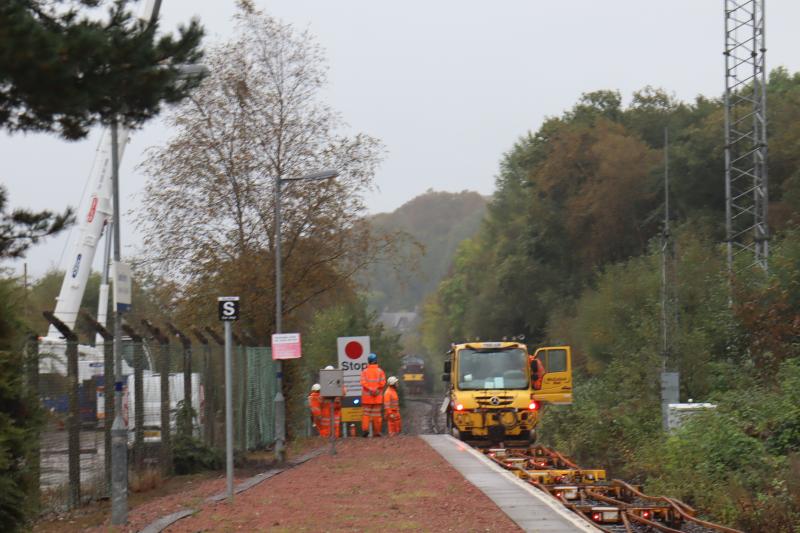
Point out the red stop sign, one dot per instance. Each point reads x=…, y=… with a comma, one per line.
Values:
x=353, y=350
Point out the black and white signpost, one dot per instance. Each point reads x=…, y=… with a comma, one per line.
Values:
x=228, y=312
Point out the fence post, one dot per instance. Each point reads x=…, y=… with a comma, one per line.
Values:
x=138, y=400
x=165, y=456
x=32, y=369
x=243, y=390
x=73, y=420
x=187, y=375
x=108, y=392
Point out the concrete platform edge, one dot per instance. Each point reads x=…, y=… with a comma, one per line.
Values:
x=578, y=522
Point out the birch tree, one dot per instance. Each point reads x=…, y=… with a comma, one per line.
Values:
x=208, y=208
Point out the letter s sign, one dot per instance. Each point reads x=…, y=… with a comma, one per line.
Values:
x=228, y=307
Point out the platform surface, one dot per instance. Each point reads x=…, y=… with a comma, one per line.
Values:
x=525, y=505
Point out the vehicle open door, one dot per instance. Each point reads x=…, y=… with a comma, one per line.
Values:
x=557, y=383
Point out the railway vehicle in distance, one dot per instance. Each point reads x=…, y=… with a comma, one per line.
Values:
x=496, y=392
x=412, y=369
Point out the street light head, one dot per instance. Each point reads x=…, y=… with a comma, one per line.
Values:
x=318, y=175
x=191, y=71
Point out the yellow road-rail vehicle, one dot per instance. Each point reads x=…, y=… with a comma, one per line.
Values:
x=497, y=389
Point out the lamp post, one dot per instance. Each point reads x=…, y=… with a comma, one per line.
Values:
x=279, y=403
x=119, y=428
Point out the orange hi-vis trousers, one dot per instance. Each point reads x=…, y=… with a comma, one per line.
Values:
x=393, y=422
x=325, y=419
x=372, y=414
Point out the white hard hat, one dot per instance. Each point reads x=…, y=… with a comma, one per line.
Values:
x=329, y=367
x=392, y=380
x=315, y=387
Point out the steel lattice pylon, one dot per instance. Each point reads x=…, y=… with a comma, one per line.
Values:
x=746, y=195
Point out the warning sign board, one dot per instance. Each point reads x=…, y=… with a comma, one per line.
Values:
x=351, y=414
x=352, y=352
x=286, y=346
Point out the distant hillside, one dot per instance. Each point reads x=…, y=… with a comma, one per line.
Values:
x=437, y=220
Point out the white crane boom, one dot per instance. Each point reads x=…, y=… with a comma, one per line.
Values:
x=91, y=224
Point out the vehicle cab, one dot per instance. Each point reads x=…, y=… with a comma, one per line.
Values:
x=496, y=390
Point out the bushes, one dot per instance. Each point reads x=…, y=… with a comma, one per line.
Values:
x=736, y=458
x=19, y=424
x=20, y=419
x=190, y=454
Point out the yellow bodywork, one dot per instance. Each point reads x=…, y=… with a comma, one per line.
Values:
x=499, y=413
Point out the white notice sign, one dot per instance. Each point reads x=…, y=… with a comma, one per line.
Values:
x=353, y=353
x=286, y=346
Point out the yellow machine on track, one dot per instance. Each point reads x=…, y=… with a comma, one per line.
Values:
x=497, y=390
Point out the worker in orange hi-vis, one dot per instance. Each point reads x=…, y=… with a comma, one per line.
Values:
x=391, y=407
x=373, y=380
x=315, y=406
x=537, y=371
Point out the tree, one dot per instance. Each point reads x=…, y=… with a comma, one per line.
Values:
x=20, y=415
x=436, y=222
x=208, y=208
x=21, y=229
x=62, y=72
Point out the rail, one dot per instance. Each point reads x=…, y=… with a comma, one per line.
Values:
x=612, y=506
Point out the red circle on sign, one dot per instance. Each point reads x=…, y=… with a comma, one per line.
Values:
x=353, y=350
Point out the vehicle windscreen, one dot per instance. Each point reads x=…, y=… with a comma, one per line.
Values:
x=492, y=369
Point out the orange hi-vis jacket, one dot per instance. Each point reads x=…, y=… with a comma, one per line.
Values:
x=539, y=370
x=391, y=402
x=373, y=380
x=391, y=409
x=315, y=405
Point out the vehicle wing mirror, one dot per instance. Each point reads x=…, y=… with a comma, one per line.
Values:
x=448, y=366
x=446, y=377
x=534, y=370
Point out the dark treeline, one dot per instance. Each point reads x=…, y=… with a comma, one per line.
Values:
x=569, y=252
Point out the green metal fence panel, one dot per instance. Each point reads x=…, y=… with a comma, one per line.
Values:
x=261, y=382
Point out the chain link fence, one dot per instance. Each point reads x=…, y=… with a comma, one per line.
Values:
x=161, y=377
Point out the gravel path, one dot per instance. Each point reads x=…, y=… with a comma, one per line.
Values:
x=386, y=484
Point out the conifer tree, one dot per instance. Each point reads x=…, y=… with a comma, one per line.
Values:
x=61, y=70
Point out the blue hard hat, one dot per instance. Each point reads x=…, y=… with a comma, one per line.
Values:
x=372, y=358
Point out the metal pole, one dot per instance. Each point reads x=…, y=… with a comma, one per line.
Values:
x=229, y=410
x=664, y=251
x=280, y=403
x=119, y=431
x=333, y=428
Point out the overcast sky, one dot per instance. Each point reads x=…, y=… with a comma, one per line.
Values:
x=447, y=85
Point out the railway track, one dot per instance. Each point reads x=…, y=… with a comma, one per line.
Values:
x=428, y=418
x=612, y=506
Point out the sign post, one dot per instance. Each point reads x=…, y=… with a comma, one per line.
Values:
x=331, y=384
x=228, y=307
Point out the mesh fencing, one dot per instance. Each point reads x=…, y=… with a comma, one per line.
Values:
x=79, y=407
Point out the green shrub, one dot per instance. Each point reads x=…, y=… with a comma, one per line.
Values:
x=190, y=454
x=20, y=418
